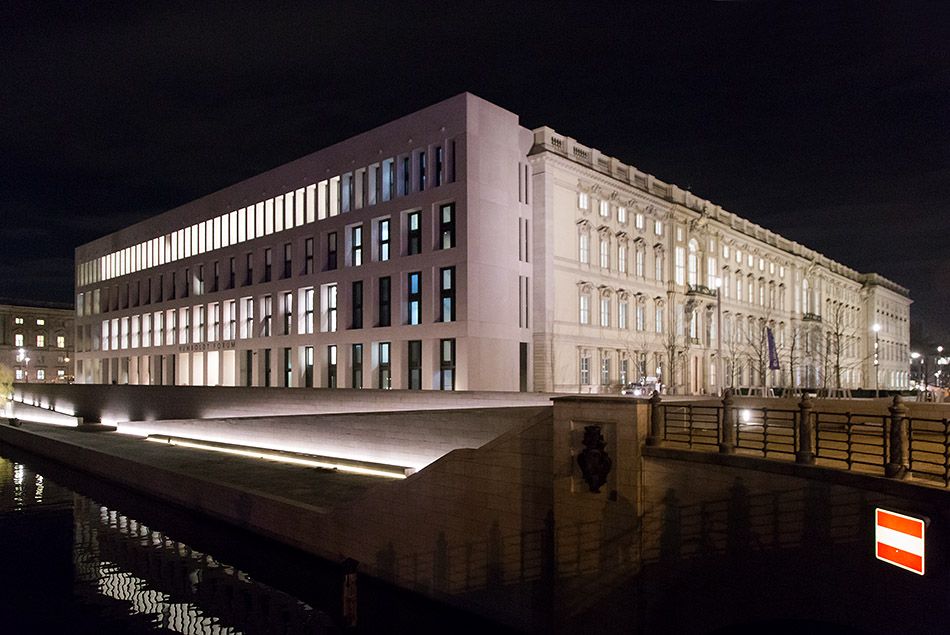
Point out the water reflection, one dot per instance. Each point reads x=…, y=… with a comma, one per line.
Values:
x=126, y=575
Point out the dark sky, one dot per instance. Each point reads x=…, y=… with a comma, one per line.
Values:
x=827, y=122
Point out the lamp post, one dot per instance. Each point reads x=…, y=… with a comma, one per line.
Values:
x=913, y=358
x=719, y=335
x=877, y=331
x=26, y=362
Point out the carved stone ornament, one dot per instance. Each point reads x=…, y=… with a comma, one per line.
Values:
x=593, y=460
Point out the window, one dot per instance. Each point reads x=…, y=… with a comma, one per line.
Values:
x=356, y=367
x=415, y=297
x=640, y=317
x=41, y=374
x=216, y=276
x=447, y=364
x=356, y=303
x=287, y=260
x=331, y=251
x=231, y=269
x=583, y=200
x=288, y=368
x=604, y=209
x=622, y=215
x=40, y=322
x=622, y=258
x=438, y=166
x=422, y=170
x=585, y=370
x=288, y=308
x=268, y=262
x=248, y=317
x=415, y=364
x=385, y=301
x=40, y=341
x=356, y=246
x=331, y=366
x=308, y=367
x=622, y=314
x=248, y=268
x=384, y=239
x=658, y=265
x=605, y=311
x=658, y=227
x=638, y=262
x=60, y=341
x=268, y=315
x=18, y=320
x=267, y=361
x=447, y=226
x=447, y=293
x=385, y=371
x=415, y=234
x=230, y=320
x=187, y=291
x=711, y=272
x=308, y=310
x=585, y=308
x=405, y=176
x=679, y=268
x=659, y=319
x=331, y=307
x=308, y=256
x=18, y=339
x=638, y=221
x=583, y=248
x=605, y=253
x=605, y=371
x=693, y=264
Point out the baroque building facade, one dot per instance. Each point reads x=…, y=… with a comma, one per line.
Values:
x=36, y=340
x=454, y=249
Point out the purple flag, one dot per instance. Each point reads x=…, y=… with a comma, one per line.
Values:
x=773, y=354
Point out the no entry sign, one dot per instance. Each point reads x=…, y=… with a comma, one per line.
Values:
x=899, y=539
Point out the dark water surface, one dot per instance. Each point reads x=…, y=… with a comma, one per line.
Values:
x=96, y=558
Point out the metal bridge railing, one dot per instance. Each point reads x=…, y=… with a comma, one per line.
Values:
x=893, y=444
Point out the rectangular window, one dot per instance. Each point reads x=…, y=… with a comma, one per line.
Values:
x=583, y=248
x=288, y=309
x=308, y=367
x=604, y=254
x=422, y=170
x=604, y=312
x=640, y=318
x=585, y=370
x=415, y=364
x=356, y=378
x=356, y=246
x=384, y=239
x=216, y=276
x=231, y=320
x=415, y=234
x=438, y=166
x=40, y=341
x=604, y=209
x=231, y=270
x=415, y=297
x=385, y=371
x=385, y=301
x=331, y=251
x=679, y=271
x=447, y=293
x=356, y=302
x=447, y=364
x=622, y=314
x=60, y=341
x=267, y=362
x=268, y=315
x=248, y=318
x=405, y=176
x=308, y=310
x=288, y=368
x=287, y=261
x=658, y=227
x=248, y=268
x=308, y=256
x=331, y=308
x=659, y=319
x=605, y=371
x=389, y=179
x=583, y=200
x=187, y=291
x=447, y=226
x=585, y=309
x=331, y=366
x=622, y=258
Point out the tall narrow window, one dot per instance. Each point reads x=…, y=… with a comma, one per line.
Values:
x=422, y=170
x=604, y=253
x=268, y=262
x=415, y=297
x=356, y=302
x=447, y=364
x=356, y=246
x=447, y=226
x=585, y=308
x=405, y=176
x=356, y=378
x=216, y=275
x=605, y=311
x=187, y=291
x=231, y=320
x=583, y=248
x=622, y=258
x=384, y=239
x=288, y=309
x=288, y=368
x=331, y=308
x=231, y=270
x=585, y=370
x=248, y=317
x=447, y=293
x=267, y=363
x=331, y=366
x=268, y=314
x=308, y=256
x=308, y=310
x=415, y=234
x=438, y=166
x=331, y=251
x=308, y=367
x=385, y=371
x=415, y=364
x=248, y=268
x=605, y=371
x=287, y=261
x=385, y=301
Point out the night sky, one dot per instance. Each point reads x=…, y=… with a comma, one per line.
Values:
x=827, y=122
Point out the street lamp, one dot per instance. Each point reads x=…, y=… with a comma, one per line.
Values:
x=877, y=373
x=26, y=361
x=719, y=335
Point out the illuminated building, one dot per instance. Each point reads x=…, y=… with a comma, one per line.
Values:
x=455, y=249
x=36, y=340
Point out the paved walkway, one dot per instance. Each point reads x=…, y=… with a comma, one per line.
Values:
x=318, y=487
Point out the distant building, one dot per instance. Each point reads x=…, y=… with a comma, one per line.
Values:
x=36, y=340
x=453, y=249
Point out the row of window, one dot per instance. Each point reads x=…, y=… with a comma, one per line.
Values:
x=234, y=319
x=379, y=182
x=193, y=280
x=23, y=374
x=606, y=211
x=20, y=340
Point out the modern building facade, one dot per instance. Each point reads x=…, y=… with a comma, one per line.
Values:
x=454, y=249
x=36, y=340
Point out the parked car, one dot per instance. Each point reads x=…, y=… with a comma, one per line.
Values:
x=640, y=388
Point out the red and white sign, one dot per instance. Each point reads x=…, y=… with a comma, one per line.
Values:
x=899, y=540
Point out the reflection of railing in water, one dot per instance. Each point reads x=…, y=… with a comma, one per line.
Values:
x=894, y=444
x=180, y=589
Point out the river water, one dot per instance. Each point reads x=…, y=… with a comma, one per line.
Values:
x=95, y=558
